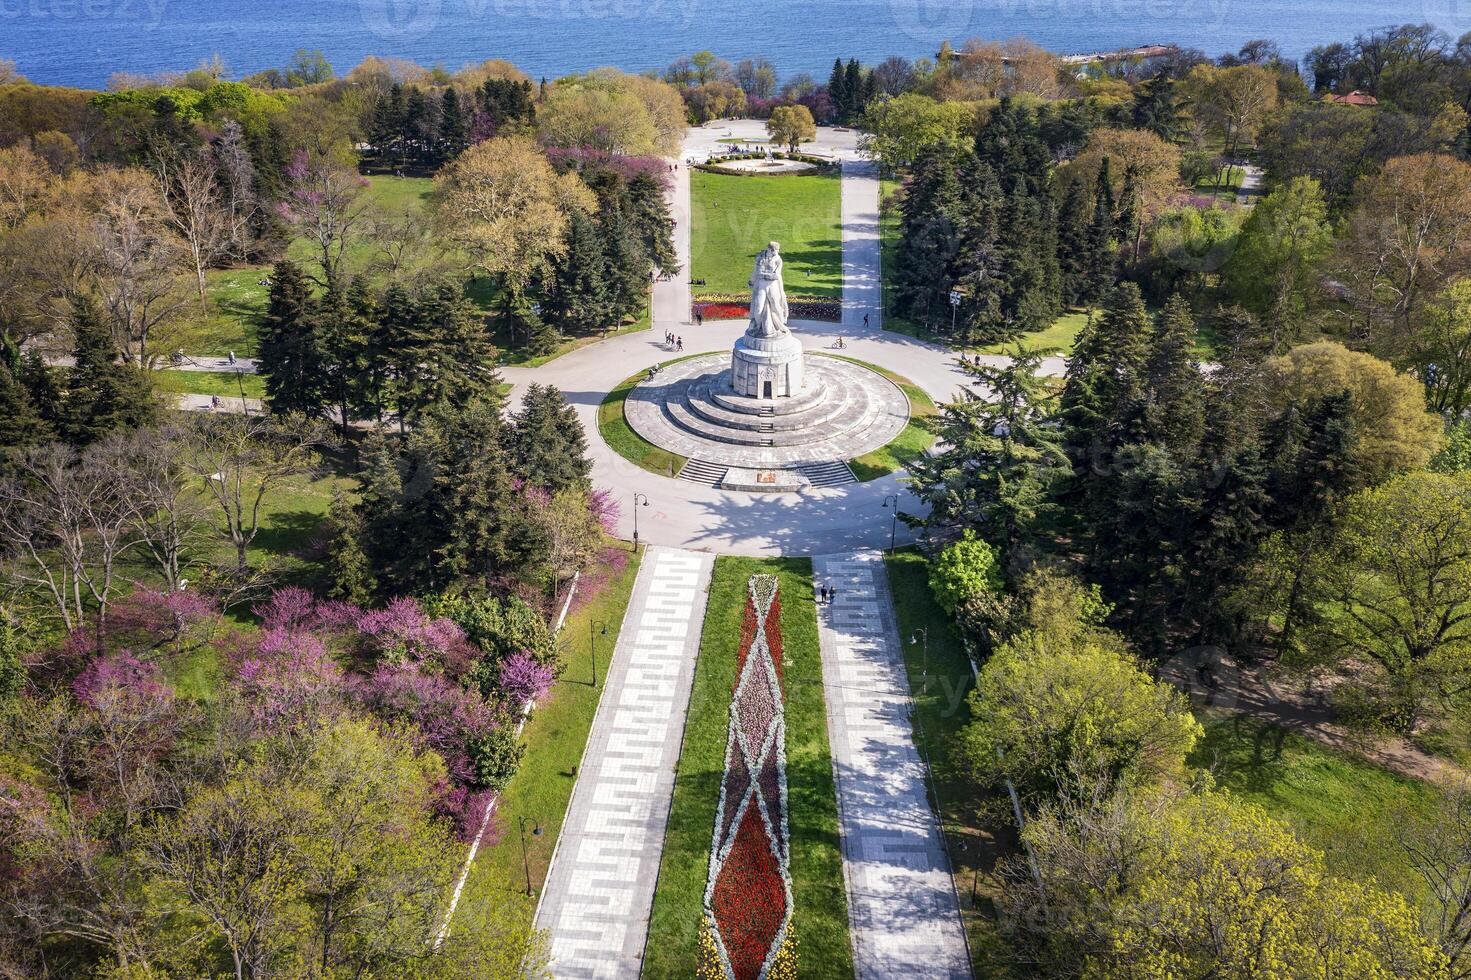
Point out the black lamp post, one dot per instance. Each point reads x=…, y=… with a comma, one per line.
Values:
x=922, y=635
x=636, y=498
x=892, y=500
x=592, y=642
x=526, y=860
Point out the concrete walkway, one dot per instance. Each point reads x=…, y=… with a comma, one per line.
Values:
x=862, y=275
x=901, y=901
x=600, y=887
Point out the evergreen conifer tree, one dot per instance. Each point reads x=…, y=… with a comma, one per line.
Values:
x=547, y=444
x=288, y=357
x=578, y=294
x=102, y=395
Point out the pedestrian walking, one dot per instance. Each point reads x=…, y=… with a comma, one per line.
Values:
x=679, y=343
x=214, y=402
x=232, y=357
x=865, y=319
x=832, y=594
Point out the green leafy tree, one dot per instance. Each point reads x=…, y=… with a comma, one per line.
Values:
x=1069, y=716
x=1274, y=270
x=791, y=125
x=1166, y=884
x=1396, y=575
x=964, y=572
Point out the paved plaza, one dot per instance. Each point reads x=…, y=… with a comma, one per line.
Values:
x=902, y=906
x=600, y=887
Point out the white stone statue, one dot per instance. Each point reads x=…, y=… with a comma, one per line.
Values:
x=767, y=361
x=768, y=295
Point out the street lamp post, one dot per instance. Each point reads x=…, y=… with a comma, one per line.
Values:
x=525, y=859
x=636, y=498
x=955, y=295
x=892, y=500
x=922, y=635
x=592, y=642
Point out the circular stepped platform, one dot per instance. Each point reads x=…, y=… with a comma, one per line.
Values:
x=845, y=410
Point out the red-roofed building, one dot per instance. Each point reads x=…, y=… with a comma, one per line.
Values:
x=1352, y=98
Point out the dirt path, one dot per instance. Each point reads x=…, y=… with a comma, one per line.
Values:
x=1300, y=705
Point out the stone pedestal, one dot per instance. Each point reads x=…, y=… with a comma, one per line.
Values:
x=767, y=367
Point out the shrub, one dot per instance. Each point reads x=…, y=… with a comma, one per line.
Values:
x=495, y=755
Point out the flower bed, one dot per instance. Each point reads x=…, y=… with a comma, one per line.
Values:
x=746, y=933
x=717, y=307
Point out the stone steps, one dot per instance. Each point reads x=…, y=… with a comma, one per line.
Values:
x=698, y=398
x=703, y=473
x=835, y=474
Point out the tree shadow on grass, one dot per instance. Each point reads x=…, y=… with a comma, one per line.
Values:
x=1243, y=754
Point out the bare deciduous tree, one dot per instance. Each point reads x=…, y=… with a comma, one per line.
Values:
x=322, y=201
x=167, y=510
x=68, y=522
x=240, y=459
x=136, y=262
x=195, y=207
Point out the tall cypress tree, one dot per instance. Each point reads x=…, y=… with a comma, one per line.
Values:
x=1175, y=416
x=1100, y=261
x=454, y=125
x=288, y=356
x=1074, y=262
x=627, y=270
x=853, y=88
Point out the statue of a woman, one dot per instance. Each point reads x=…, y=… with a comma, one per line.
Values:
x=768, y=295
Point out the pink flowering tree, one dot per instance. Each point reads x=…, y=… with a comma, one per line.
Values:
x=523, y=679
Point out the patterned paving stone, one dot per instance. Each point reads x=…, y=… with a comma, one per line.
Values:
x=901, y=901
x=601, y=884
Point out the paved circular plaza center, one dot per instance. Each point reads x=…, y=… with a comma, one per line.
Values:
x=843, y=411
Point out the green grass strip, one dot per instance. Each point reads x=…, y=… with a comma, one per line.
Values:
x=821, y=909
x=940, y=680
x=619, y=435
x=554, y=736
x=916, y=438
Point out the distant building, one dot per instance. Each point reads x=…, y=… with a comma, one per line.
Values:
x=1352, y=98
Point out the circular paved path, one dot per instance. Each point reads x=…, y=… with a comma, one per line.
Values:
x=686, y=515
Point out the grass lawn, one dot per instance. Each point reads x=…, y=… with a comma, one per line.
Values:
x=518, y=356
x=236, y=298
x=1352, y=810
x=821, y=907
x=621, y=438
x=940, y=712
x=735, y=216
x=914, y=440
x=224, y=384
x=1060, y=336
x=555, y=735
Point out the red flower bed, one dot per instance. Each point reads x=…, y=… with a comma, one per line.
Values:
x=748, y=895
x=723, y=311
